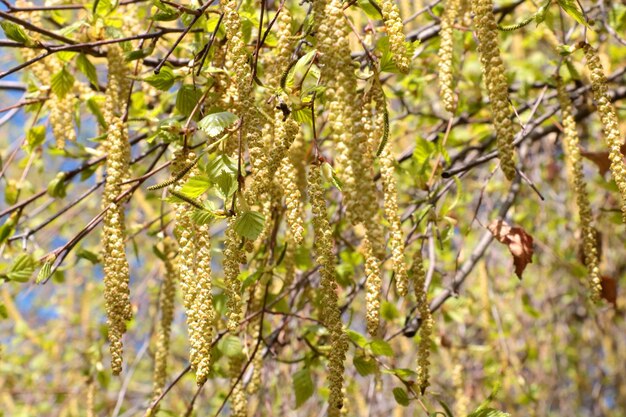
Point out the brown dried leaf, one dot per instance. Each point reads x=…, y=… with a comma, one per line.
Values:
x=519, y=242
x=601, y=159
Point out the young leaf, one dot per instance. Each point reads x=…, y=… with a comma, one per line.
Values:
x=380, y=347
x=201, y=217
x=249, y=224
x=220, y=165
x=231, y=346
x=196, y=186
x=215, y=123
x=44, y=272
x=401, y=396
x=187, y=98
x=62, y=82
x=571, y=8
x=14, y=32
x=226, y=184
x=85, y=66
x=35, y=137
x=163, y=81
x=302, y=386
x=22, y=268
x=364, y=365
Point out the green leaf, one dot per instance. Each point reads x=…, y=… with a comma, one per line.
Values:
x=44, y=272
x=62, y=82
x=14, y=32
x=401, y=396
x=249, y=224
x=302, y=386
x=389, y=311
x=371, y=9
x=103, y=7
x=571, y=8
x=205, y=216
x=22, y=268
x=57, y=187
x=231, y=346
x=380, y=347
x=489, y=412
x=300, y=70
x=215, y=123
x=163, y=81
x=357, y=338
x=187, y=98
x=35, y=137
x=226, y=184
x=3, y=311
x=88, y=255
x=85, y=66
x=220, y=165
x=165, y=13
x=365, y=365
x=93, y=106
x=196, y=186
x=139, y=53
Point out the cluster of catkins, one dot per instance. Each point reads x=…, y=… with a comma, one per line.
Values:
x=285, y=168
x=494, y=74
x=61, y=104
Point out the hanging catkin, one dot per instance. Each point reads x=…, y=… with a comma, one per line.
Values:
x=203, y=304
x=233, y=256
x=390, y=190
x=238, y=401
x=497, y=85
x=330, y=313
x=194, y=267
x=166, y=307
x=610, y=123
x=373, y=286
x=426, y=320
x=446, y=51
x=245, y=107
x=116, y=270
x=575, y=167
x=395, y=31
x=61, y=116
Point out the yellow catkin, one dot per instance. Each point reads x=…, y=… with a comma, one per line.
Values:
x=166, y=307
x=233, y=255
x=203, y=304
x=238, y=399
x=256, y=304
x=245, y=107
x=186, y=262
x=61, y=116
x=446, y=51
x=390, y=190
x=116, y=269
x=194, y=268
x=287, y=175
x=610, y=122
x=497, y=85
x=575, y=167
x=426, y=320
x=373, y=286
x=330, y=313
x=395, y=31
